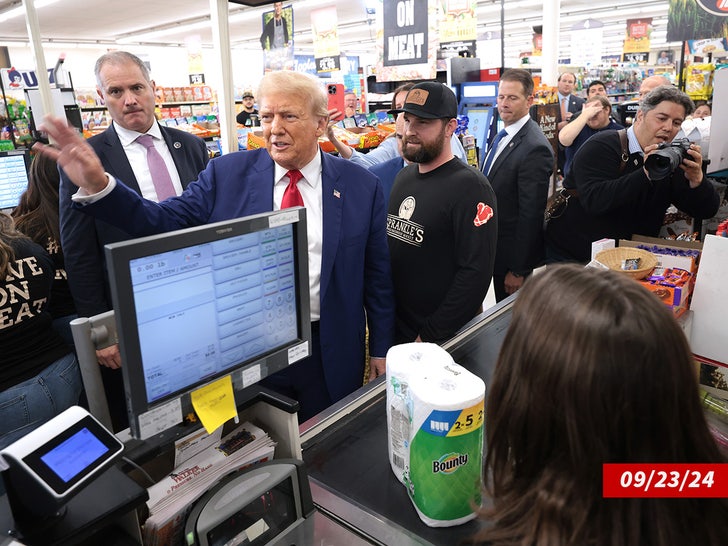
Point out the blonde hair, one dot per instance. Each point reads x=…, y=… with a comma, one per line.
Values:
x=299, y=85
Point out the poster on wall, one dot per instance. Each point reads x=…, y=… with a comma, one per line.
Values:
x=696, y=19
x=324, y=27
x=276, y=39
x=457, y=29
x=637, y=38
x=407, y=42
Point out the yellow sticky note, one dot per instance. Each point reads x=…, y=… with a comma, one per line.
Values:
x=215, y=403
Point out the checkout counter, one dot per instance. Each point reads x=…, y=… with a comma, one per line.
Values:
x=356, y=497
x=345, y=449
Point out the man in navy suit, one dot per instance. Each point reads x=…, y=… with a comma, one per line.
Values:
x=569, y=104
x=349, y=269
x=518, y=167
x=128, y=92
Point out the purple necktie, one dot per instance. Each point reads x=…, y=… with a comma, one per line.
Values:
x=158, y=169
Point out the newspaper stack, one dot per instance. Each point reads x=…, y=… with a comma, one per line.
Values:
x=172, y=498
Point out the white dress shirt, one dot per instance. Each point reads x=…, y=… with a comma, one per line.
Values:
x=511, y=131
x=310, y=188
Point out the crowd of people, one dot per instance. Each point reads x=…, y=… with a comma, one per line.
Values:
x=402, y=243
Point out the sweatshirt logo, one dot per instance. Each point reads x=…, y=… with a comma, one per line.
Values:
x=402, y=227
x=449, y=463
x=483, y=214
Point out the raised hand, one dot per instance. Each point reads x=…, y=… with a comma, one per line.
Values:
x=73, y=154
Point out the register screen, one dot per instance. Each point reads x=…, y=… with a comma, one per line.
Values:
x=206, y=308
x=68, y=459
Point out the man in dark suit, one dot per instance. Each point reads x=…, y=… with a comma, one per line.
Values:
x=128, y=92
x=569, y=104
x=518, y=166
x=349, y=269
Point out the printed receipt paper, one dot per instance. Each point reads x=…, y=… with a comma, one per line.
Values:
x=215, y=403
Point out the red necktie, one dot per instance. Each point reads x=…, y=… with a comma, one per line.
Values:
x=292, y=197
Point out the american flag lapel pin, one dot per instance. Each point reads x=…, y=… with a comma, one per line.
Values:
x=337, y=194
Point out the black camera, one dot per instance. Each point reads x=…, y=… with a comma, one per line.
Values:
x=662, y=163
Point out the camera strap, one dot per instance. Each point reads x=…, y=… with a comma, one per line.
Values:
x=625, y=149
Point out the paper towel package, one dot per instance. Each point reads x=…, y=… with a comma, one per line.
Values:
x=435, y=411
x=403, y=362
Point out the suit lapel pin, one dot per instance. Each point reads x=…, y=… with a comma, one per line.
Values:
x=177, y=145
x=337, y=194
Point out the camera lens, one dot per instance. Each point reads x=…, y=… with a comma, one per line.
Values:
x=663, y=162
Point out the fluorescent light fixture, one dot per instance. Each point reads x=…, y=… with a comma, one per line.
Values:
x=20, y=10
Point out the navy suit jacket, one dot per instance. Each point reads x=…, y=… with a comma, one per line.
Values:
x=520, y=178
x=355, y=268
x=575, y=105
x=83, y=238
x=387, y=172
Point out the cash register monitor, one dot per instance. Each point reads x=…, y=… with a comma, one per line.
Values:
x=14, y=165
x=197, y=304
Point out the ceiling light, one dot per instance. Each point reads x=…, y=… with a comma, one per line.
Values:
x=20, y=10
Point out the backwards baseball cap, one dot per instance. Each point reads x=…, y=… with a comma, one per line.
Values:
x=430, y=100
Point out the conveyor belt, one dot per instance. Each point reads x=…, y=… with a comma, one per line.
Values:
x=348, y=463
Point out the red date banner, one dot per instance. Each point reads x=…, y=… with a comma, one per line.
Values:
x=665, y=480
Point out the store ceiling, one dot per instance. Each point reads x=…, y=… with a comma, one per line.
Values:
x=131, y=22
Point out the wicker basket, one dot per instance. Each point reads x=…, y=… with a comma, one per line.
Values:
x=613, y=258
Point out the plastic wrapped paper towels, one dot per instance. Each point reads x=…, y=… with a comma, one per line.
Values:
x=435, y=414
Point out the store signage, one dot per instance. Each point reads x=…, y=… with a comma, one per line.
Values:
x=14, y=78
x=405, y=32
x=324, y=27
x=586, y=42
x=638, y=35
x=636, y=57
x=328, y=64
x=197, y=79
x=458, y=21
x=716, y=7
x=308, y=65
x=695, y=20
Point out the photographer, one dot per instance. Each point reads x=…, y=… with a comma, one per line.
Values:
x=612, y=194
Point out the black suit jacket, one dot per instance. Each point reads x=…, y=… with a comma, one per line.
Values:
x=520, y=178
x=83, y=238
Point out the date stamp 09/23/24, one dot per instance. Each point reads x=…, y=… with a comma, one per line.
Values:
x=664, y=480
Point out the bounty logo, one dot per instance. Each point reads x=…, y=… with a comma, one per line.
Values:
x=449, y=463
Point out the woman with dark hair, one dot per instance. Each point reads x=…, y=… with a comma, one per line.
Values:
x=37, y=217
x=593, y=370
x=39, y=375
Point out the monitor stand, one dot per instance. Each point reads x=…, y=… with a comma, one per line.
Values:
x=101, y=509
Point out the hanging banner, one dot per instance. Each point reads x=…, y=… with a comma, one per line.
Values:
x=407, y=42
x=457, y=28
x=637, y=38
x=586, y=42
x=277, y=38
x=324, y=27
x=195, y=66
x=696, y=19
x=19, y=78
